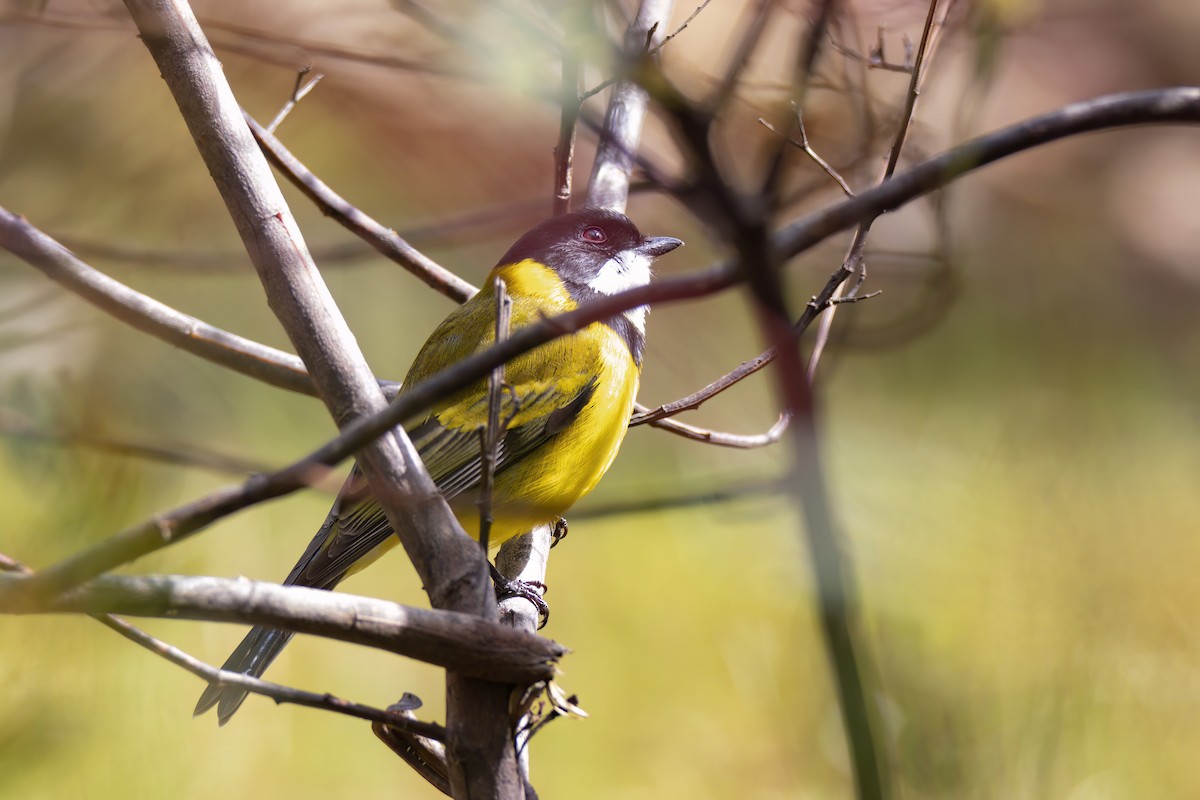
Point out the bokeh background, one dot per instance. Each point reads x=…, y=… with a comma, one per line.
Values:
x=1011, y=427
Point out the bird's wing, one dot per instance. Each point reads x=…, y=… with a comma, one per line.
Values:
x=450, y=445
x=531, y=414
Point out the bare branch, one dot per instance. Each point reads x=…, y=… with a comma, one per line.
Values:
x=564, y=151
x=609, y=184
x=804, y=145
x=483, y=758
x=250, y=42
x=738, y=441
x=875, y=60
x=682, y=27
x=854, y=260
x=726, y=491
x=698, y=398
x=465, y=643
x=277, y=692
x=184, y=521
x=1181, y=104
x=806, y=60
x=206, y=262
x=300, y=299
x=1150, y=107
x=300, y=91
x=322, y=701
x=385, y=240
x=147, y=314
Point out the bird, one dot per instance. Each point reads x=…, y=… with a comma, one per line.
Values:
x=564, y=410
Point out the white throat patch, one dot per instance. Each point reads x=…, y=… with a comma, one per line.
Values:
x=626, y=270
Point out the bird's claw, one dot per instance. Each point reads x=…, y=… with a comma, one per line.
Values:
x=527, y=590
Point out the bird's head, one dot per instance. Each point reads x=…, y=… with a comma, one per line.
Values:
x=592, y=250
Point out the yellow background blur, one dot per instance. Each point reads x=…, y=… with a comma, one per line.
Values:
x=1013, y=446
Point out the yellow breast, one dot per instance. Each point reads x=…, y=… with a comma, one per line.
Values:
x=550, y=479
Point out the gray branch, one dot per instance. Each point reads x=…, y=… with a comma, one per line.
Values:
x=450, y=565
x=609, y=184
x=461, y=642
x=148, y=315
x=297, y=294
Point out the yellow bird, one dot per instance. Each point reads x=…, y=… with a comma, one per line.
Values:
x=565, y=409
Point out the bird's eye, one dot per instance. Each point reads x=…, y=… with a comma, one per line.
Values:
x=594, y=235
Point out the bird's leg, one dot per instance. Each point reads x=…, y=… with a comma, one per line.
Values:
x=528, y=590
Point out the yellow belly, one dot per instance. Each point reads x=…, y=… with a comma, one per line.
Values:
x=548, y=481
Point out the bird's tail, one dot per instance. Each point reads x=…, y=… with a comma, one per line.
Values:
x=339, y=547
x=252, y=657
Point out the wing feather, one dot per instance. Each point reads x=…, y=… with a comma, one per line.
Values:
x=356, y=524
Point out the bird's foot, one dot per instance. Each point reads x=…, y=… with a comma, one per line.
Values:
x=532, y=591
x=558, y=532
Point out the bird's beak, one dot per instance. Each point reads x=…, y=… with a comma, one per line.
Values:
x=655, y=246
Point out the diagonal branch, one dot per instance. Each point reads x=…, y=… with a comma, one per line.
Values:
x=148, y=315
x=296, y=293
x=483, y=757
x=385, y=240
x=1152, y=107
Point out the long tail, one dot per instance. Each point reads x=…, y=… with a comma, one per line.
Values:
x=319, y=567
x=252, y=656
x=354, y=534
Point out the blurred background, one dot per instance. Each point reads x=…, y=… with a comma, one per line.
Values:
x=1010, y=428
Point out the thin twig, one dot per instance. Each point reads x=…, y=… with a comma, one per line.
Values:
x=299, y=92
x=875, y=60
x=277, y=692
x=322, y=701
x=804, y=145
x=385, y=240
x=209, y=262
x=682, y=27
x=729, y=491
x=805, y=66
x=564, y=150
x=298, y=48
x=737, y=441
x=493, y=432
x=855, y=260
x=569, y=107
